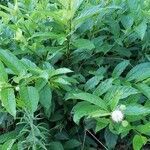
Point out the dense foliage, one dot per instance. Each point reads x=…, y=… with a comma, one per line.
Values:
x=74, y=74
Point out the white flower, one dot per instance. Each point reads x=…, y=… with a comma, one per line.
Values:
x=17, y=88
x=117, y=116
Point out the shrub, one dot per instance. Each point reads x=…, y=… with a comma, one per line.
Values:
x=74, y=73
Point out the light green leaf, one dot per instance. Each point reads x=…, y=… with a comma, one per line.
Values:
x=8, y=145
x=11, y=61
x=91, y=98
x=29, y=95
x=103, y=87
x=141, y=29
x=112, y=97
x=127, y=21
x=86, y=14
x=138, y=142
x=60, y=71
x=8, y=100
x=3, y=74
x=116, y=93
x=144, y=129
x=101, y=123
x=120, y=68
x=75, y=4
x=136, y=110
x=139, y=72
x=84, y=44
x=82, y=109
x=46, y=98
x=92, y=82
x=145, y=89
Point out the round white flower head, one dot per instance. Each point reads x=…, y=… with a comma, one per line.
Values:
x=17, y=88
x=117, y=116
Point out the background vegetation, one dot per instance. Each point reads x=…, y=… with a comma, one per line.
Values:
x=66, y=65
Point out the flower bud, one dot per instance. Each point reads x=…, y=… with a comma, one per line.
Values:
x=117, y=116
x=17, y=88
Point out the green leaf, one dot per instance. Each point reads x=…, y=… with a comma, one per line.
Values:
x=133, y=5
x=8, y=100
x=112, y=97
x=46, y=98
x=11, y=61
x=84, y=44
x=8, y=145
x=139, y=72
x=138, y=142
x=120, y=68
x=103, y=87
x=60, y=71
x=92, y=82
x=91, y=98
x=29, y=95
x=141, y=29
x=127, y=21
x=101, y=123
x=110, y=138
x=72, y=144
x=82, y=109
x=55, y=146
x=144, y=129
x=116, y=93
x=136, y=110
x=3, y=74
x=75, y=4
x=145, y=89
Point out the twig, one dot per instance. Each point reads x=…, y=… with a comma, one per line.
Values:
x=84, y=140
x=97, y=139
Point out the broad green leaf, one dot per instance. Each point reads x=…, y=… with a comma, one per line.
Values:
x=120, y=68
x=91, y=98
x=103, y=87
x=145, y=89
x=28, y=64
x=3, y=74
x=8, y=145
x=136, y=110
x=55, y=146
x=11, y=61
x=60, y=71
x=139, y=72
x=92, y=82
x=10, y=135
x=72, y=144
x=112, y=97
x=101, y=123
x=110, y=138
x=127, y=21
x=128, y=91
x=141, y=29
x=143, y=129
x=87, y=14
x=29, y=95
x=139, y=141
x=8, y=100
x=75, y=4
x=83, y=44
x=116, y=93
x=46, y=98
x=82, y=109
x=45, y=35
x=133, y=5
